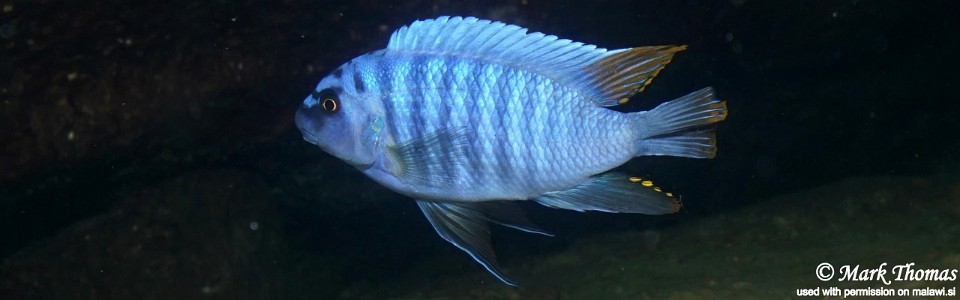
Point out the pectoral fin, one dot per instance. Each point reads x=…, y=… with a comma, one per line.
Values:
x=431, y=159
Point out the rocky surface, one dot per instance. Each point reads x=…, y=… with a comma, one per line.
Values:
x=219, y=235
x=213, y=233
x=765, y=251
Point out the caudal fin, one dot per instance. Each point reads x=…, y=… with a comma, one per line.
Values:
x=681, y=127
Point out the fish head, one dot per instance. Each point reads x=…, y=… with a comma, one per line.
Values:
x=339, y=120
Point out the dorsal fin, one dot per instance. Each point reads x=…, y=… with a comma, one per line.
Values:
x=620, y=75
x=607, y=76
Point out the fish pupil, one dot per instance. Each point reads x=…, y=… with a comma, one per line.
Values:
x=330, y=104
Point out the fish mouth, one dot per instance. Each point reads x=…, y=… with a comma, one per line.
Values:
x=310, y=138
x=306, y=124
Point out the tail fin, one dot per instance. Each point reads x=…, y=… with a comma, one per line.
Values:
x=680, y=127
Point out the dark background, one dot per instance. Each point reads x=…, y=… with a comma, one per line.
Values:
x=176, y=117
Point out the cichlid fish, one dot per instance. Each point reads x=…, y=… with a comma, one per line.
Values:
x=462, y=113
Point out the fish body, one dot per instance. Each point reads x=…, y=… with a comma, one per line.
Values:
x=521, y=131
x=462, y=114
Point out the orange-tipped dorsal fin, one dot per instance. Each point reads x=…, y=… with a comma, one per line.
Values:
x=609, y=77
x=621, y=74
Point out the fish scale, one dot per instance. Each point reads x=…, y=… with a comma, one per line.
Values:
x=463, y=113
x=504, y=152
x=500, y=143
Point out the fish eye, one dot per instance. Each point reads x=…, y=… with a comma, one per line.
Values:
x=327, y=99
x=329, y=104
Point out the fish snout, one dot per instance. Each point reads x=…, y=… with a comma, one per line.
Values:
x=308, y=122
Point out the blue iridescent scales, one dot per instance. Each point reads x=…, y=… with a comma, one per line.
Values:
x=465, y=114
x=524, y=130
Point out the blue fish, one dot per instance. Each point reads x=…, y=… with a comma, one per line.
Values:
x=468, y=115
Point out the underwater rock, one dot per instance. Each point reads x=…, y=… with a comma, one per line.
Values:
x=185, y=238
x=761, y=251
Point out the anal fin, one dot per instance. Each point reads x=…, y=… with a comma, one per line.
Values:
x=616, y=193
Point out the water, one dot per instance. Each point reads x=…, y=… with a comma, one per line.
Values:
x=149, y=151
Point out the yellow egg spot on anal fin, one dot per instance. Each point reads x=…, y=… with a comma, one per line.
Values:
x=657, y=188
x=623, y=100
x=647, y=183
x=635, y=179
x=669, y=194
